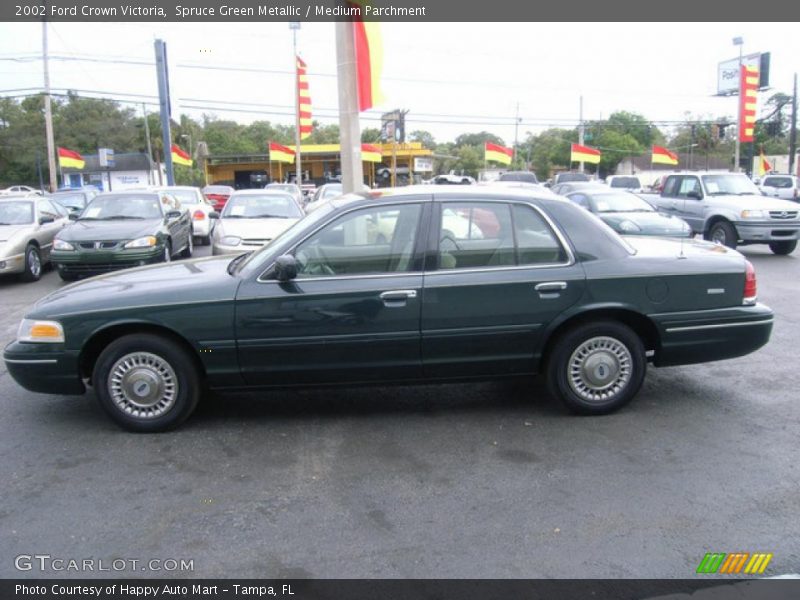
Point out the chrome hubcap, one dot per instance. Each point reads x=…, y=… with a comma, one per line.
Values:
x=35, y=262
x=143, y=385
x=718, y=236
x=599, y=369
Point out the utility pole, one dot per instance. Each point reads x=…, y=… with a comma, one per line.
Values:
x=349, y=129
x=48, y=114
x=516, y=129
x=581, y=131
x=149, y=146
x=294, y=26
x=738, y=41
x=793, y=128
x=164, y=104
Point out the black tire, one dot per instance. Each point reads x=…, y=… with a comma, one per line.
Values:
x=33, y=264
x=159, y=366
x=67, y=276
x=167, y=252
x=611, y=346
x=187, y=251
x=724, y=233
x=783, y=248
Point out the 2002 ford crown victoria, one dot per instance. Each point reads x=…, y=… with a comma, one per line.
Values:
x=384, y=288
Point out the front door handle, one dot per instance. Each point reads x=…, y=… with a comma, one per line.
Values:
x=397, y=298
x=551, y=286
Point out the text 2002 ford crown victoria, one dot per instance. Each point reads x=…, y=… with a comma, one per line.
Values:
x=421, y=284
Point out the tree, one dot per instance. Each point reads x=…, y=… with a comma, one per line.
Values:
x=370, y=135
x=478, y=139
x=424, y=137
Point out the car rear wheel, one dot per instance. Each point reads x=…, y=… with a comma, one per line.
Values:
x=33, y=264
x=597, y=368
x=146, y=383
x=723, y=233
x=783, y=248
x=187, y=252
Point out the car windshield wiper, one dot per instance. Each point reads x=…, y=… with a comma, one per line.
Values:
x=88, y=219
x=120, y=217
x=268, y=216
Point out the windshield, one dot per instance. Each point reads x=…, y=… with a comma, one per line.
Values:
x=76, y=200
x=123, y=206
x=605, y=203
x=16, y=213
x=217, y=189
x=184, y=196
x=729, y=183
x=626, y=182
x=565, y=177
x=258, y=206
x=332, y=191
x=282, y=187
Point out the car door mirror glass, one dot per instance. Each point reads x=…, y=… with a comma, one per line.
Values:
x=213, y=215
x=694, y=194
x=173, y=214
x=73, y=216
x=285, y=267
x=46, y=219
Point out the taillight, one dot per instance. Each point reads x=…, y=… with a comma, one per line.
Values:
x=749, y=284
x=198, y=215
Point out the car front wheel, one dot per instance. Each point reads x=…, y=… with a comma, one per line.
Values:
x=723, y=233
x=33, y=264
x=597, y=368
x=146, y=383
x=784, y=247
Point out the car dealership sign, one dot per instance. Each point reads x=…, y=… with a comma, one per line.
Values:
x=728, y=73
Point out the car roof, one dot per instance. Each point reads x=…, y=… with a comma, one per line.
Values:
x=260, y=192
x=166, y=188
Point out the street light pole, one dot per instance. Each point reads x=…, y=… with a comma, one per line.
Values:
x=48, y=114
x=738, y=41
x=349, y=126
x=294, y=26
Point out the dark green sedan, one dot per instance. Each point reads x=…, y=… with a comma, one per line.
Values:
x=117, y=230
x=462, y=283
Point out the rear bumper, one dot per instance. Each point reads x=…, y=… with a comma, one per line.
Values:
x=707, y=335
x=768, y=232
x=44, y=368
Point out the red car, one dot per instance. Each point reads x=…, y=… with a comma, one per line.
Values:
x=218, y=195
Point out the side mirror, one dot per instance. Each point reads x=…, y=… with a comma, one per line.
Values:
x=695, y=195
x=285, y=267
x=173, y=214
x=46, y=219
x=73, y=216
x=213, y=215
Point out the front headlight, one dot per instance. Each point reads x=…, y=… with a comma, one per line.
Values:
x=143, y=242
x=230, y=240
x=629, y=226
x=32, y=330
x=62, y=245
x=754, y=214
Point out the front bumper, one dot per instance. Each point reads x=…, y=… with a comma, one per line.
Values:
x=98, y=262
x=12, y=264
x=715, y=334
x=44, y=368
x=773, y=231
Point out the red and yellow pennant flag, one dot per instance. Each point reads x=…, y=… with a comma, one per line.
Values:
x=497, y=153
x=304, y=100
x=763, y=164
x=662, y=156
x=280, y=153
x=180, y=156
x=369, y=60
x=748, y=92
x=69, y=159
x=585, y=154
x=371, y=153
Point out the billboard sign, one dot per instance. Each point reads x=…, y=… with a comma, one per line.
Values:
x=423, y=164
x=105, y=157
x=728, y=73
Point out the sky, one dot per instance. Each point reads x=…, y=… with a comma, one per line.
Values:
x=451, y=77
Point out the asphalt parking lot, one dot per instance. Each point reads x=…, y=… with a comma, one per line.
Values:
x=490, y=480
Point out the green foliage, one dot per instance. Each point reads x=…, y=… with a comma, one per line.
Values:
x=370, y=135
x=424, y=137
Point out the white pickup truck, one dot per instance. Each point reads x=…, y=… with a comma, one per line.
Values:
x=728, y=208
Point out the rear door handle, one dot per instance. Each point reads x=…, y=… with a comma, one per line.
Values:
x=395, y=298
x=551, y=286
